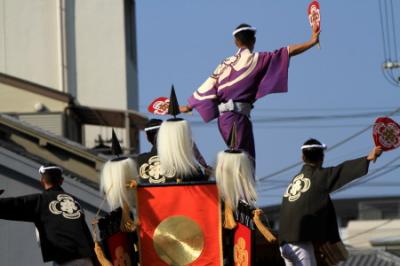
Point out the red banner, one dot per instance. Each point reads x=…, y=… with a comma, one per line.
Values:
x=243, y=246
x=179, y=225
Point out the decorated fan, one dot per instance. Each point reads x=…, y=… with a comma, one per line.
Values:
x=159, y=106
x=314, y=16
x=386, y=133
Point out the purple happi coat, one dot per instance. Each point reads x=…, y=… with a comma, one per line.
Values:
x=244, y=77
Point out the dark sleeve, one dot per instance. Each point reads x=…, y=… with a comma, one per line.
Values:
x=25, y=208
x=345, y=172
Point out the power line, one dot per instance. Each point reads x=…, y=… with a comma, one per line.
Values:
x=358, y=133
x=310, y=126
x=368, y=230
x=394, y=31
x=331, y=161
x=389, y=39
x=372, y=175
x=383, y=32
x=327, y=109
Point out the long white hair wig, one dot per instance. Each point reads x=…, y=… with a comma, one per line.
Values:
x=175, y=148
x=114, y=179
x=235, y=178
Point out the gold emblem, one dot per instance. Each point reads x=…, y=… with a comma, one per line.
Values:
x=178, y=240
x=240, y=253
x=300, y=184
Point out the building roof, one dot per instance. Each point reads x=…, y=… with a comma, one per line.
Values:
x=33, y=142
x=35, y=88
x=386, y=241
x=108, y=117
x=87, y=115
x=371, y=257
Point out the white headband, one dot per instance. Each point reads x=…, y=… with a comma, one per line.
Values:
x=320, y=146
x=43, y=169
x=242, y=29
x=151, y=128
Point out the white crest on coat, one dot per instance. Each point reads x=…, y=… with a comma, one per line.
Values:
x=299, y=185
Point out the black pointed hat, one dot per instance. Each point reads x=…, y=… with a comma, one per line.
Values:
x=232, y=140
x=173, y=108
x=116, y=147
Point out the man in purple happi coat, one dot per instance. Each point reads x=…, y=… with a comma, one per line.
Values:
x=229, y=93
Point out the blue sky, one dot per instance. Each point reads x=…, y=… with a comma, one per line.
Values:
x=181, y=42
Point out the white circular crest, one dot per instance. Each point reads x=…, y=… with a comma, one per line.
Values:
x=66, y=206
x=299, y=185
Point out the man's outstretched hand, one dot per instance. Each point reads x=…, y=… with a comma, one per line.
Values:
x=185, y=109
x=315, y=34
x=375, y=153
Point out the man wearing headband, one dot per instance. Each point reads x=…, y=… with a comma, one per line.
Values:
x=307, y=216
x=64, y=235
x=230, y=92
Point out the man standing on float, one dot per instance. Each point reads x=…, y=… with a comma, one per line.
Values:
x=229, y=93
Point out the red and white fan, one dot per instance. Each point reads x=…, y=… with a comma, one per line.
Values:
x=159, y=106
x=314, y=16
x=386, y=133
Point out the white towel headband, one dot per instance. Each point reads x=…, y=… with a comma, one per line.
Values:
x=318, y=146
x=243, y=29
x=43, y=169
x=151, y=128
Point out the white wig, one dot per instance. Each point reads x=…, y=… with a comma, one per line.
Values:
x=235, y=178
x=175, y=148
x=115, y=177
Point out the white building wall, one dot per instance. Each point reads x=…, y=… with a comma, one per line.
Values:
x=29, y=41
x=101, y=60
x=100, y=53
x=78, y=47
x=2, y=36
x=360, y=233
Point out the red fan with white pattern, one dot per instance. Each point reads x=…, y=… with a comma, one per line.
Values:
x=386, y=133
x=314, y=16
x=159, y=106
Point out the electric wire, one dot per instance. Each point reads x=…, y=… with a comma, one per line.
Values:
x=338, y=144
x=368, y=230
x=385, y=169
x=394, y=31
x=370, y=176
x=383, y=31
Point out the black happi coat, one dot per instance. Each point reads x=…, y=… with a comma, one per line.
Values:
x=149, y=170
x=307, y=212
x=64, y=234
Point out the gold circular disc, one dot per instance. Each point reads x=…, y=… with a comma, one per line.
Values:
x=178, y=240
